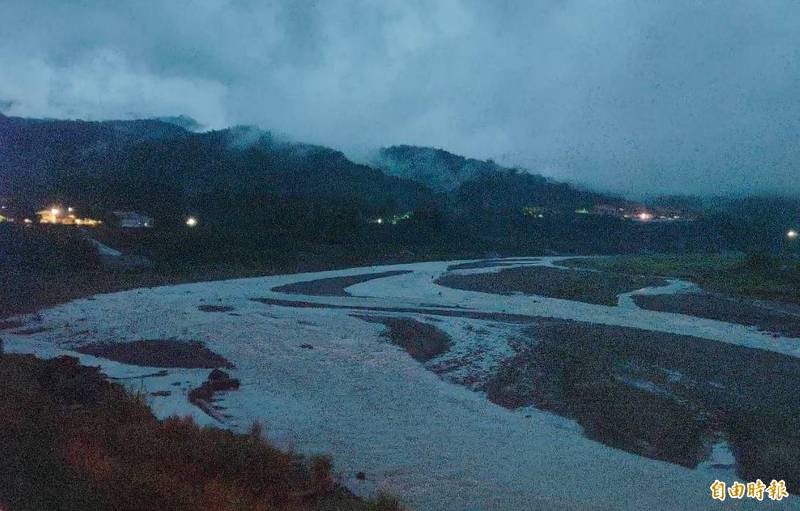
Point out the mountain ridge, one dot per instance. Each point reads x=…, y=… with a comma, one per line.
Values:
x=260, y=194
x=44, y=159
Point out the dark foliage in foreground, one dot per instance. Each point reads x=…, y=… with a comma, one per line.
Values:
x=74, y=442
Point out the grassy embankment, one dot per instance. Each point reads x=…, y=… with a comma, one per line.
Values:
x=70, y=440
x=753, y=276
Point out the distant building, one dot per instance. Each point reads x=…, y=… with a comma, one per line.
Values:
x=6, y=215
x=394, y=219
x=133, y=220
x=641, y=213
x=51, y=216
x=673, y=214
x=609, y=210
x=534, y=211
x=57, y=215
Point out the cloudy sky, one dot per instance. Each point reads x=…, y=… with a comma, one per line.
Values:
x=632, y=96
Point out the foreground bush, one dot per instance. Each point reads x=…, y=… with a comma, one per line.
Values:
x=73, y=441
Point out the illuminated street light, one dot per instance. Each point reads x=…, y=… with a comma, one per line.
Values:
x=791, y=234
x=55, y=211
x=191, y=221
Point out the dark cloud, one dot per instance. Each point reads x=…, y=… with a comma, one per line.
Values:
x=642, y=97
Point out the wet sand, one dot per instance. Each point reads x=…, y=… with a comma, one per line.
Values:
x=421, y=340
x=661, y=395
x=585, y=286
x=487, y=263
x=453, y=313
x=157, y=353
x=215, y=308
x=720, y=308
x=9, y=325
x=334, y=286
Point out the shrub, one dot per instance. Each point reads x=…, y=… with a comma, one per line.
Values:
x=73, y=441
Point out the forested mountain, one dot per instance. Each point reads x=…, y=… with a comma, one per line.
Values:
x=484, y=185
x=165, y=170
x=435, y=168
x=251, y=189
x=46, y=160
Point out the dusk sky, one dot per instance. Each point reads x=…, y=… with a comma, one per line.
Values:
x=635, y=97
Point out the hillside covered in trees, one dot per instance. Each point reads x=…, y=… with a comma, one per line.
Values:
x=258, y=195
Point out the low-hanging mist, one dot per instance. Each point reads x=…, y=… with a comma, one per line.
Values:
x=634, y=97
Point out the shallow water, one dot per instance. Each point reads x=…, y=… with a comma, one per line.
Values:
x=322, y=380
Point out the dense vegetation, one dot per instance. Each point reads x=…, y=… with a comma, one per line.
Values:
x=436, y=168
